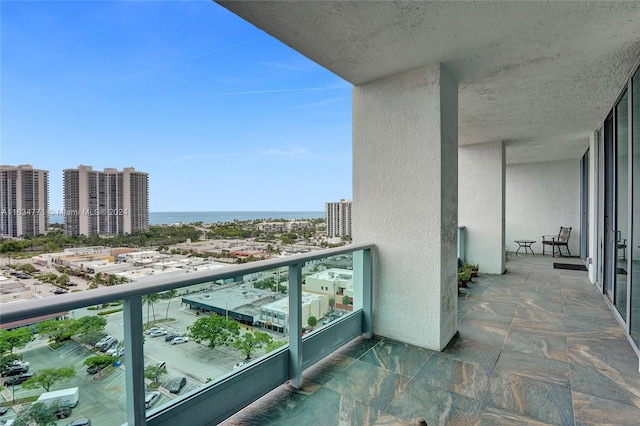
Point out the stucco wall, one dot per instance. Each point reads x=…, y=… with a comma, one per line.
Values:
x=541, y=197
x=481, y=204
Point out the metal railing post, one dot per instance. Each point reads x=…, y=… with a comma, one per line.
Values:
x=134, y=357
x=367, y=293
x=295, y=325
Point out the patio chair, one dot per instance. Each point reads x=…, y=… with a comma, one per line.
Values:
x=559, y=241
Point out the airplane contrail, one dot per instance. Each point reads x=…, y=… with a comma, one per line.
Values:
x=258, y=92
x=170, y=64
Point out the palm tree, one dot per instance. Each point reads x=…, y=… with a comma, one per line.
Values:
x=150, y=300
x=170, y=294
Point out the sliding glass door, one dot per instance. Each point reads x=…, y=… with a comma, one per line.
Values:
x=633, y=253
x=621, y=202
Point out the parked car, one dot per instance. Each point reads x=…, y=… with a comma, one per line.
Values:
x=151, y=398
x=108, y=344
x=152, y=329
x=178, y=340
x=3, y=410
x=80, y=422
x=170, y=337
x=117, y=351
x=93, y=369
x=102, y=341
x=239, y=365
x=59, y=290
x=161, y=364
x=22, y=363
x=175, y=384
x=17, y=380
x=157, y=333
x=63, y=412
x=15, y=370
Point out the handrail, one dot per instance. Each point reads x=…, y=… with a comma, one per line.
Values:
x=17, y=311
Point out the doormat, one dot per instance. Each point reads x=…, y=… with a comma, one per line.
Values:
x=569, y=266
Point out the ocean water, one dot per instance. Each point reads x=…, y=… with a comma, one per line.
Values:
x=167, y=218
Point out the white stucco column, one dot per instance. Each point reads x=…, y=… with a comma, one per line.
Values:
x=481, y=204
x=405, y=191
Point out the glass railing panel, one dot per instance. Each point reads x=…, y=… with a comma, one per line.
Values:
x=197, y=334
x=328, y=291
x=68, y=371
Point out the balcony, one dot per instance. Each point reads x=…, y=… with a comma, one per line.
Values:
x=535, y=346
x=121, y=397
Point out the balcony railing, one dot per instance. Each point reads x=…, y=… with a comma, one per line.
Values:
x=218, y=399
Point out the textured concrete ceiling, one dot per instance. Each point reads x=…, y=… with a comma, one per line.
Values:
x=538, y=75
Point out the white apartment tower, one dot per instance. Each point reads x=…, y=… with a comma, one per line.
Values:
x=105, y=202
x=24, y=201
x=338, y=218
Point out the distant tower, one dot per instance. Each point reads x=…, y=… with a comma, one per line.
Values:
x=338, y=218
x=108, y=202
x=24, y=201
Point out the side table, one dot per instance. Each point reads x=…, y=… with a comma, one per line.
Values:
x=525, y=244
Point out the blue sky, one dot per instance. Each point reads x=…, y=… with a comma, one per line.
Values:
x=221, y=115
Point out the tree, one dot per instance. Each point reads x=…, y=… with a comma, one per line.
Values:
x=27, y=267
x=63, y=280
x=112, y=280
x=98, y=278
x=150, y=300
x=170, y=295
x=58, y=330
x=100, y=361
x=332, y=303
x=14, y=339
x=8, y=360
x=250, y=342
x=346, y=300
x=312, y=321
x=154, y=372
x=274, y=344
x=90, y=324
x=215, y=330
x=48, y=377
x=38, y=413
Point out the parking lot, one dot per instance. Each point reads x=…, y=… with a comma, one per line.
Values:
x=104, y=401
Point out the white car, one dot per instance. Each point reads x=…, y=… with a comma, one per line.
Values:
x=151, y=398
x=17, y=362
x=154, y=329
x=239, y=365
x=157, y=333
x=116, y=351
x=178, y=340
x=102, y=341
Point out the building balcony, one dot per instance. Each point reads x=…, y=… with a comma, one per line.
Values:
x=536, y=345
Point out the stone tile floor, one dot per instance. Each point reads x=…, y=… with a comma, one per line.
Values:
x=535, y=346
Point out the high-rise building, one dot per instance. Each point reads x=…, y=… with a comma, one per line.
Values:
x=24, y=201
x=105, y=202
x=338, y=218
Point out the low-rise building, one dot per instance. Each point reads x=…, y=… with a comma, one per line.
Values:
x=332, y=282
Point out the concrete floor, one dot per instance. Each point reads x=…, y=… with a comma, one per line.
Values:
x=536, y=345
